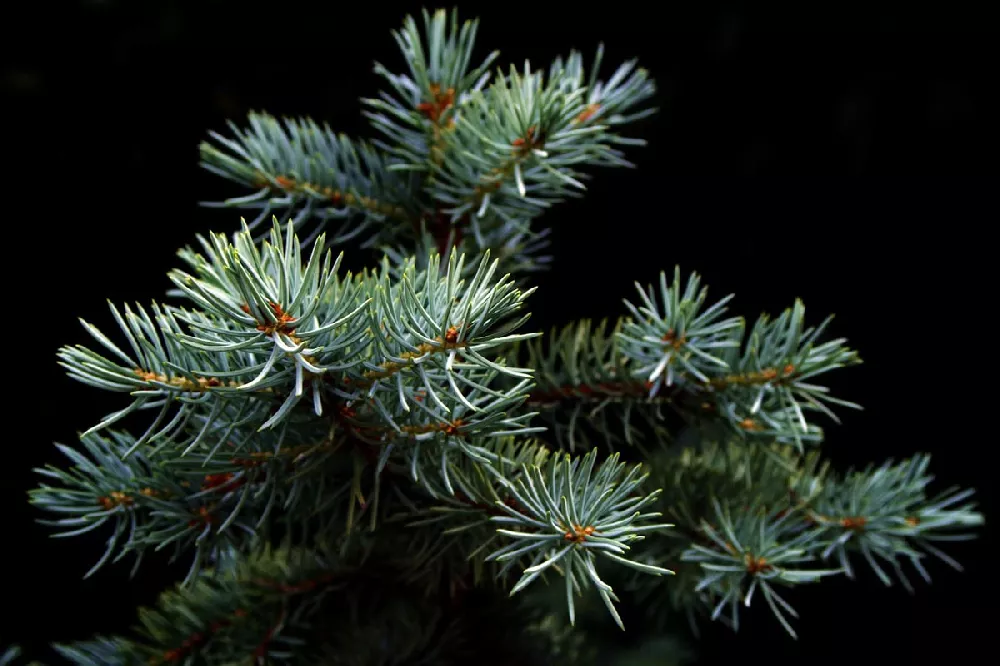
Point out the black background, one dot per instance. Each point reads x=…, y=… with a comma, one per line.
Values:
x=843, y=156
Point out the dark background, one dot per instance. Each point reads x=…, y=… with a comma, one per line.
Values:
x=843, y=156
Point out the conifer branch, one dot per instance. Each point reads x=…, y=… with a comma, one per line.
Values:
x=755, y=518
x=465, y=154
x=675, y=352
x=420, y=392
x=300, y=170
x=259, y=610
x=290, y=401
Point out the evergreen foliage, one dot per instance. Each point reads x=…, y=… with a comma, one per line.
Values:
x=360, y=468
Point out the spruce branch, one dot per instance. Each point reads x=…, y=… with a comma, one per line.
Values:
x=423, y=380
x=519, y=249
x=556, y=513
x=289, y=401
x=671, y=334
x=302, y=171
x=484, y=148
x=678, y=351
x=553, y=510
x=418, y=110
x=516, y=146
x=465, y=153
x=355, y=613
x=773, y=383
x=437, y=334
x=528, y=133
x=210, y=510
x=885, y=514
x=268, y=329
x=585, y=390
x=261, y=611
x=567, y=514
x=755, y=550
x=752, y=518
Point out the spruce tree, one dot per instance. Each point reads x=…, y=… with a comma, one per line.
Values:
x=389, y=466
